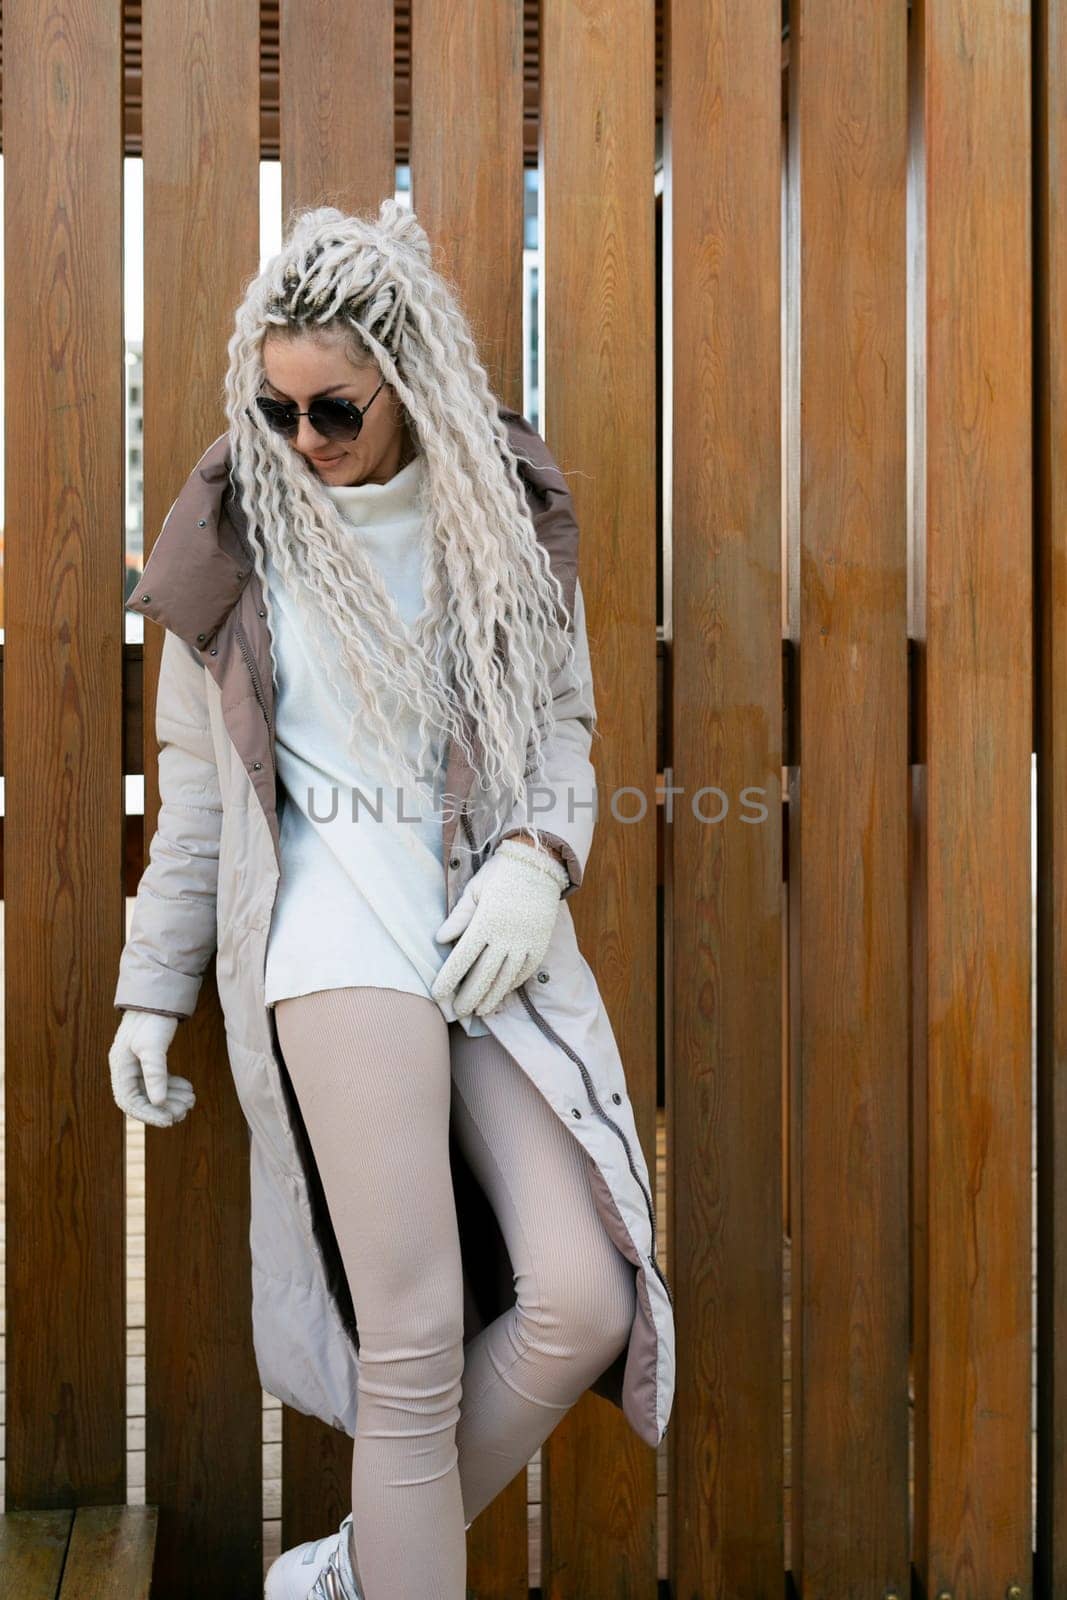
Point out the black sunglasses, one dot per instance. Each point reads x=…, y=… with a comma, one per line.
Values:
x=339, y=420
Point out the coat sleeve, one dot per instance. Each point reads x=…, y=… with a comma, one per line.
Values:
x=562, y=799
x=173, y=930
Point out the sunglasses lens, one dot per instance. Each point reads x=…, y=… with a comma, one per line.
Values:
x=335, y=419
x=281, y=418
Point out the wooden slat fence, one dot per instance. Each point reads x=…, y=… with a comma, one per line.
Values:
x=801, y=340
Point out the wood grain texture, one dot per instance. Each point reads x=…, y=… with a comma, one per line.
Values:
x=1050, y=631
x=466, y=152
x=33, y=1549
x=336, y=147
x=598, y=404
x=973, y=614
x=905, y=860
x=467, y=167
x=110, y=1555
x=270, y=89
x=201, y=243
x=724, y=1105
x=918, y=1300
x=63, y=782
x=336, y=103
x=849, y=839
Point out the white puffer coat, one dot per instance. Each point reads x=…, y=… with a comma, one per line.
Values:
x=209, y=888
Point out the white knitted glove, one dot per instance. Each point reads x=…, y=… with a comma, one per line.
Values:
x=139, y=1079
x=505, y=915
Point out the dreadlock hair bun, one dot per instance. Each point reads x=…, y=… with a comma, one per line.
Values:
x=405, y=229
x=394, y=255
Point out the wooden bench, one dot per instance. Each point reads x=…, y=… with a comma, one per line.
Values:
x=84, y=1553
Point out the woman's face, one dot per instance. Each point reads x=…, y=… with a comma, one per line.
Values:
x=298, y=370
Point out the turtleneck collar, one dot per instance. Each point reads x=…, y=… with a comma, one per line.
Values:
x=373, y=502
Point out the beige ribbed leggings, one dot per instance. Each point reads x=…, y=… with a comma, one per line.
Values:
x=378, y=1073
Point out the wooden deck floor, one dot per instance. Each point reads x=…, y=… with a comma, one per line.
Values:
x=135, y=1359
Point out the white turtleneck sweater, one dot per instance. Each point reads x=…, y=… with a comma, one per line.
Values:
x=360, y=899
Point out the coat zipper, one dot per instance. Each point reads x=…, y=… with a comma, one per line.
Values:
x=594, y=1100
x=257, y=684
x=246, y=648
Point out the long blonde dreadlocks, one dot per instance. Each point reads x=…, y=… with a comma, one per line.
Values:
x=479, y=660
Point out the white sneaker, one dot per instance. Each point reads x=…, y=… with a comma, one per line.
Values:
x=319, y=1569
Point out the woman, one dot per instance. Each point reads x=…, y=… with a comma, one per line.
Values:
x=413, y=623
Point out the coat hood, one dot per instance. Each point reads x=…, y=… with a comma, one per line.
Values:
x=193, y=579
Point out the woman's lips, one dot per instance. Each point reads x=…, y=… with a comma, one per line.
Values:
x=326, y=461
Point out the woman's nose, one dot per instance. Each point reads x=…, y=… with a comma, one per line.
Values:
x=307, y=440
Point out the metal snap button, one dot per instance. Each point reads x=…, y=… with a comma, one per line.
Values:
x=214, y=651
x=145, y=597
x=256, y=766
x=542, y=976
x=242, y=573
x=617, y=1097
x=262, y=613
x=202, y=523
x=575, y=1112
x=201, y=636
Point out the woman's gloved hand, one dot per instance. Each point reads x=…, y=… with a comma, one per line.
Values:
x=139, y=1079
x=505, y=916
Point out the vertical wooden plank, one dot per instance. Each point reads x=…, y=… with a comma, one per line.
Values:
x=598, y=416
x=203, y=1399
x=467, y=189
x=63, y=827
x=1050, y=606
x=467, y=166
x=333, y=57
x=973, y=615
x=919, y=1309
x=336, y=117
x=793, y=1498
x=724, y=1096
x=848, y=617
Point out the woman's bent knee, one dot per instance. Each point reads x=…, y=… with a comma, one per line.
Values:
x=586, y=1317
x=608, y=1322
